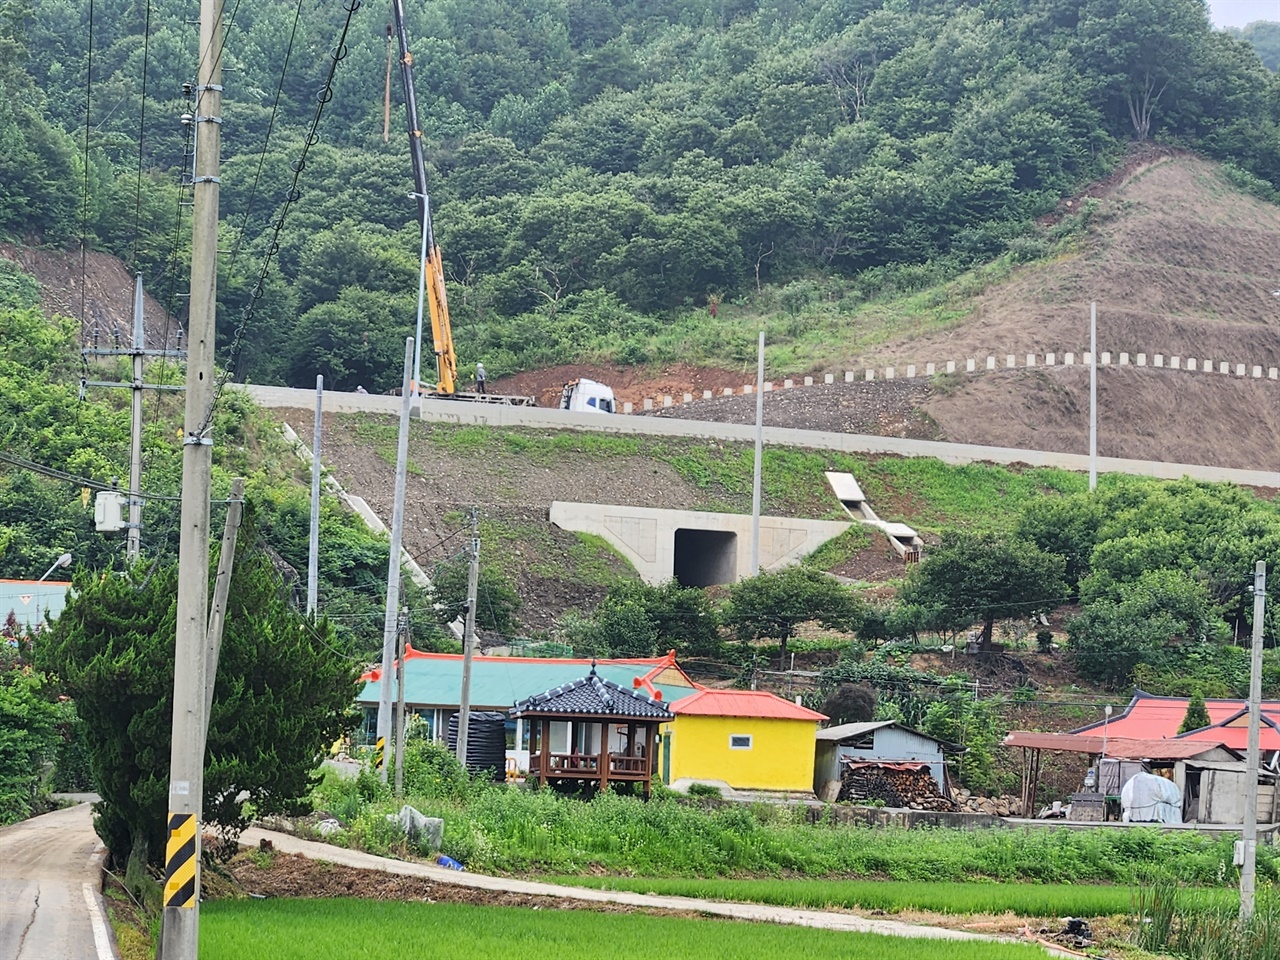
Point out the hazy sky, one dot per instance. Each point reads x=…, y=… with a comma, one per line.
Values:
x=1238, y=13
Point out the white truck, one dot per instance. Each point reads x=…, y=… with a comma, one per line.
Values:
x=587, y=396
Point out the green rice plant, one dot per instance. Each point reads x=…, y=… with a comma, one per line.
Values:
x=892, y=896
x=338, y=929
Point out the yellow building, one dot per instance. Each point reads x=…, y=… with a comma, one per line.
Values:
x=750, y=739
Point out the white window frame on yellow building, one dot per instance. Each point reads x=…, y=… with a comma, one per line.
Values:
x=741, y=736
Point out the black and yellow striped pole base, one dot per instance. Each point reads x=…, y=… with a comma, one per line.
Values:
x=180, y=861
x=379, y=753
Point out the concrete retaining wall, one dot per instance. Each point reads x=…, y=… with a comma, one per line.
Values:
x=651, y=539
x=447, y=411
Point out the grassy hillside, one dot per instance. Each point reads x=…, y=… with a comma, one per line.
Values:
x=512, y=476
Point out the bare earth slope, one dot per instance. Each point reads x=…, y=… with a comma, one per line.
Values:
x=104, y=289
x=1179, y=262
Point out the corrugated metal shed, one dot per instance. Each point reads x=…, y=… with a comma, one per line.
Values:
x=843, y=731
x=879, y=741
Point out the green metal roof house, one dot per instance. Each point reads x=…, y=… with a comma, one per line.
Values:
x=36, y=603
x=433, y=688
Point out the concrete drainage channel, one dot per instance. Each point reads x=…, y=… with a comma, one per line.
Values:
x=361, y=508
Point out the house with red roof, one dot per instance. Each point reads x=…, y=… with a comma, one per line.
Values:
x=749, y=739
x=1150, y=717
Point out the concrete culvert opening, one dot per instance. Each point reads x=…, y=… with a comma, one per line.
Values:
x=705, y=557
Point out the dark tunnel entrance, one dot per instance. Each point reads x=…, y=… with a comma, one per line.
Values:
x=705, y=557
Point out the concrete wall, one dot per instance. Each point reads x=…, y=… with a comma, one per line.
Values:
x=780, y=756
x=1222, y=798
x=454, y=411
x=648, y=538
x=543, y=417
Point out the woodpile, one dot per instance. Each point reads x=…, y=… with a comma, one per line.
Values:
x=893, y=786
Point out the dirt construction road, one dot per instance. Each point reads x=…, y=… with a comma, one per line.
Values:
x=50, y=873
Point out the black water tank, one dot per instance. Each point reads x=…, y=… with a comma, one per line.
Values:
x=486, y=743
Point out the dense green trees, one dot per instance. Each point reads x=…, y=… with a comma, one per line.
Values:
x=28, y=733
x=771, y=605
x=986, y=577
x=639, y=620
x=660, y=153
x=283, y=693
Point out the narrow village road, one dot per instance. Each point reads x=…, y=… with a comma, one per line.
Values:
x=50, y=904
x=821, y=919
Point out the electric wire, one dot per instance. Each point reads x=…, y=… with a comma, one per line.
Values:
x=84, y=200
x=172, y=269
x=262, y=157
x=56, y=474
x=142, y=129
x=323, y=96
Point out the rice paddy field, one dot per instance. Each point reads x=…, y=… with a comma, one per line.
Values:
x=358, y=929
x=962, y=899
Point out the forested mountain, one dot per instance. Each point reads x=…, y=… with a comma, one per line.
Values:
x=600, y=170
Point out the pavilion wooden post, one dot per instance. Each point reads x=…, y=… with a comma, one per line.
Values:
x=544, y=741
x=1029, y=809
x=604, y=755
x=650, y=730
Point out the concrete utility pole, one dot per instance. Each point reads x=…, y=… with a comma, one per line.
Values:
x=313, y=553
x=1248, y=872
x=138, y=352
x=133, y=545
x=422, y=292
x=1093, y=396
x=399, y=741
x=755, y=483
x=221, y=590
x=393, y=566
x=469, y=638
x=180, y=930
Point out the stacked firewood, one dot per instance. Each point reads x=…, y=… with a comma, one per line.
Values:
x=915, y=789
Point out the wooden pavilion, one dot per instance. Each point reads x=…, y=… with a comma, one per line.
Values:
x=608, y=733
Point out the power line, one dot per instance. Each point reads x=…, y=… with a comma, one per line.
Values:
x=323, y=96
x=84, y=205
x=177, y=241
x=142, y=129
x=56, y=474
x=262, y=157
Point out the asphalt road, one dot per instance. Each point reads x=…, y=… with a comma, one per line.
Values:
x=50, y=876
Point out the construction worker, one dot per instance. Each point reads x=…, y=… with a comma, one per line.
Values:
x=479, y=377
x=360, y=389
